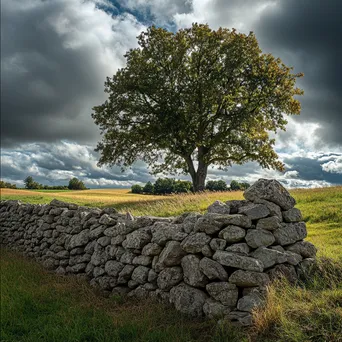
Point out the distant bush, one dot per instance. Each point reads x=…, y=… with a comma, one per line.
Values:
x=136, y=189
x=76, y=184
x=235, y=185
x=183, y=187
x=7, y=185
x=164, y=186
x=218, y=185
x=148, y=188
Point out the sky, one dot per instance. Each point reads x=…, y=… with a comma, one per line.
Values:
x=56, y=55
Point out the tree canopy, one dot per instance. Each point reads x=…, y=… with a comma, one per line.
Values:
x=195, y=98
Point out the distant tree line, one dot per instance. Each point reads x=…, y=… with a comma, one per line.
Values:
x=74, y=184
x=164, y=186
x=7, y=185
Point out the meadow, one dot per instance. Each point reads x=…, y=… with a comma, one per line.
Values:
x=40, y=306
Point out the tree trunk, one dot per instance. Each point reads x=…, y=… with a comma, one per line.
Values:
x=198, y=177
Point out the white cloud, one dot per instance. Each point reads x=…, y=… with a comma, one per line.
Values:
x=333, y=166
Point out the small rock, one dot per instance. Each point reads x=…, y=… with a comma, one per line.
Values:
x=194, y=243
x=213, y=308
x=232, y=234
x=259, y=237
x=113, y=268
x=248, y=278
x=224, y=292
x=217, y=244
x=212, y=269
x=305, y=248
x=241, y=248
x=290, y=233
x=192, y=273
x=254, y=211
x=292, y=215
x=269, y=257
x=219, y=207
x=169, y=277
x=140, y=274
x=269, y=223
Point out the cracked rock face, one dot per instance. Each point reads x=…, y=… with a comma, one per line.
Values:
x=217, y=264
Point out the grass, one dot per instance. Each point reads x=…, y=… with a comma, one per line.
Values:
x=41, y=306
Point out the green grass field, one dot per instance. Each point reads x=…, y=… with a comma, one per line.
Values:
x=40, y=306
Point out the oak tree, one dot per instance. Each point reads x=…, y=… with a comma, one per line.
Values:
x=193, y=98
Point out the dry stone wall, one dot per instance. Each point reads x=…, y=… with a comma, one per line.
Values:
x=217, y=264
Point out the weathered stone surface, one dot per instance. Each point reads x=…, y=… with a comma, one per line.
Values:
x=240, y=248
x=163, y=232
x=192, y=273
x=232, y=234
x=235, y=220
x=212, y=269
x=290, y=233
x=259, y=237
x=248, y=278
x=169, y=277
x=127, y=257
x=224, y=292
x=283, y=270
x=113, y=268
x=269, y=223
x=151, y=249
x=234, y=205
x=305, y=248
x=188, y=300
x=241, y=318
x=207, y=224
x=194, y=243
x=274, y=209
x=190, y=221
x=117, y=240
x=171, y=255
x=254, y=211
x=104, y=241
x=292, y=215
x=107, y=220
x=119, y=229
x=219, y=207
x=270, y=190
x=238, y=261
x=207, y=251
x=250, y=302
x=217, y=244
x=79, y=240
x=269, y=257
x=142, y=260
x=125, y=274
x=140, y=274
x=214, y=309
x=137, y=239
x=293, y=258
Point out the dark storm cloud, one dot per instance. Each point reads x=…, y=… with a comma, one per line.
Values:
x=53, y=70
x=306, y=35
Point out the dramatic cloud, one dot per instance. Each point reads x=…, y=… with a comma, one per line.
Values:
x=56, y=55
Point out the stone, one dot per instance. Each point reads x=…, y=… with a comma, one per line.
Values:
x=120, y=291
x=269, y=257
x=232, y=234
x=137, y=239
x=238, y=261
x=290, y=233
x=240, y=248
x=219, y=207
x=98, y=258
x=125, y=274
x=269, y=223
x=132, y=284
x=293, y=258
x=278, y=248
x=119, y=229
x=152, y=276
x=292, y=215
x=242, y=318
x=234, y=205
x=190, y=221
x=104, y=241
x=98, y=271
x=305, y=248
x=224, y=292
x=254, y=211
x=188, y=300
x=305, y=267
x=117, y=240
x=283, y=271
x=107, y=220
x=140, y=274
x=113, y=268
x=171, y=255
x=79, y=240
x=249, y=279
x=235, y=220
x=162, y=232
x=250, y=302
x=192, y=273
x=169, y=277
x=214, y=309
x=270, y=190
x=127, y=257
x=142, y=260
x=259, y=237
x=194, y=243
x=217, y=244
x=274, y=209
x=207, y=251
x=207, y=224
x=151, y=249
x=212, y=269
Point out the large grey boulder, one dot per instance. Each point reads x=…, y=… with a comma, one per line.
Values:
x=259, y=237
x=250, y=302
x=137, y=239
x=219, y=207
x=290, y=233
x=224, y=292
x=270, y=190
x=274, y=209
x=283, y=271
x=269, y=257
x=188, y=300
x=305, y=248
x=192, y=272
x=217, y=244
x=169, y=277
x=232, y=234
x=248, y=278
x=292, y=215
x=213, y=270
x=171, y=255
x=113, y=268
x=163, y=232
x=78, y=240
x=151, y=249
x=195, y=242
x=214, y=309
x=125, y=274
x=238, y=261
x=140, y=274
x=269, y=223
x=254, y=211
